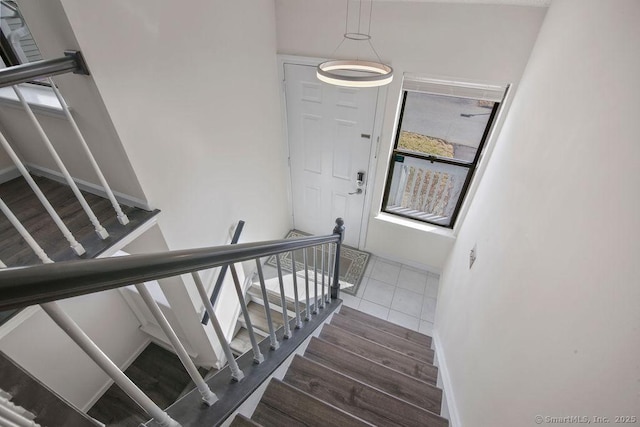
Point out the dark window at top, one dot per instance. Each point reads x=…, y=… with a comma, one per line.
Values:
x=437, y=148
x=16, y=44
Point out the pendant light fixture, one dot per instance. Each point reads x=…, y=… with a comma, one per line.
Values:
x=356, y=72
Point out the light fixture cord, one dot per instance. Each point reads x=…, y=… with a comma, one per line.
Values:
x=359, y=15
x=369, y=40
x=346, y=20
x=370, y=12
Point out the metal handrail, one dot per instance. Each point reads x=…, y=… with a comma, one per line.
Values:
x=72, y=61
x=24, y=286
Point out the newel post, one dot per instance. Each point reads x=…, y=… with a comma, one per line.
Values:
x=335, y=286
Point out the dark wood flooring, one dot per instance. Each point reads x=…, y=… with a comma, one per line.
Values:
x=159, y=373
x=24, y=204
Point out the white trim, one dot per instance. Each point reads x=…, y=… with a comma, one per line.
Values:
x=378, y=123
x=41, y=99
x=17, y=320
x=485, y=156
x=123, y=367
x=443, y=371
x=129, y=237
x=415, y=224
x=89, y=187
x=8, y=173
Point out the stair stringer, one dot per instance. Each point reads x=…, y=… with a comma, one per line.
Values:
x=249, y=405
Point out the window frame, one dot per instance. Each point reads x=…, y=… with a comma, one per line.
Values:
x=471, y=166
x=9, y=55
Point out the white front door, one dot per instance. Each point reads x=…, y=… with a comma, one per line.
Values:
x=330, y=141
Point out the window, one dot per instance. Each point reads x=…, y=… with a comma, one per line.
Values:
x=16, y=44
x=441, y=131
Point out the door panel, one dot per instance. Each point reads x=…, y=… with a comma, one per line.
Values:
x=330, y=135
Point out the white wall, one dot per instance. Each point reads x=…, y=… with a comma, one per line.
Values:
x=547, y=321
x=53, y=35
x=194, y=96
x=40, y=346
x=465, y=41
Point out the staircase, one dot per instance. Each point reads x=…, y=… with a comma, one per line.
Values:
x=360, y=370
x=240, y=343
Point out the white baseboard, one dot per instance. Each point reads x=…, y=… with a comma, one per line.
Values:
x=454, y=416
x=102, y=390
x=9, y=173
x=89, y=187
x=416, y=265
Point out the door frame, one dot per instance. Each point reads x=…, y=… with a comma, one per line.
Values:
x=378, y=121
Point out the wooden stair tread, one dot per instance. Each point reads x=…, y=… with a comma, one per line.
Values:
x=375, y=375
x=242, y=421
x=410, y=348
x=274, y=298
x=386, y=326
x=380, y=354
x=259, y=317
x=357, y=398
x=305, y=408
x=268, y=416
x=241, y=342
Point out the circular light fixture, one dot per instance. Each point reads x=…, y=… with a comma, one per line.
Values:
x=355, y=72
x=379, y=74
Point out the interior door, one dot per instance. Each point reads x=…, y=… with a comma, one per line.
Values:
x=330, y=138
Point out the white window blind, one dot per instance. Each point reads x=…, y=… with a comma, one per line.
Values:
x=453, y=88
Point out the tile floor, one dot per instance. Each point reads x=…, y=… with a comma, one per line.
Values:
x=397, y=293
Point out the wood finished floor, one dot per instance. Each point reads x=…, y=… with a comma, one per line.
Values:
x=27, y=208
x=158, y=373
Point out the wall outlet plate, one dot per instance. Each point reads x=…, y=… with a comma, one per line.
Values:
x=473, y=255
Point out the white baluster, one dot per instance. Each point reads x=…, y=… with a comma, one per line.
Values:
x=100, y=230
x=67, y=324
x=236, y=373
x=122, y=217
x=13, y=414
x=283, y=300
x=15, y=419
x=75, y=245
x=24, y=233
x=207, y=395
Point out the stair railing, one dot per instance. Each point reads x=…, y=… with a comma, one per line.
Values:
x=12, y=76
x=46, y=284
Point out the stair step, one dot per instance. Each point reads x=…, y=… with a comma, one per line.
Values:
x=302, y=407
x=242, y=421
x=268, y=416
x=274, y=298
x=357, y=398
x=380, y=354
x=383, y=338
x=259, y=317
x=241, y=343
x=375, y=375
x=386, y=326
